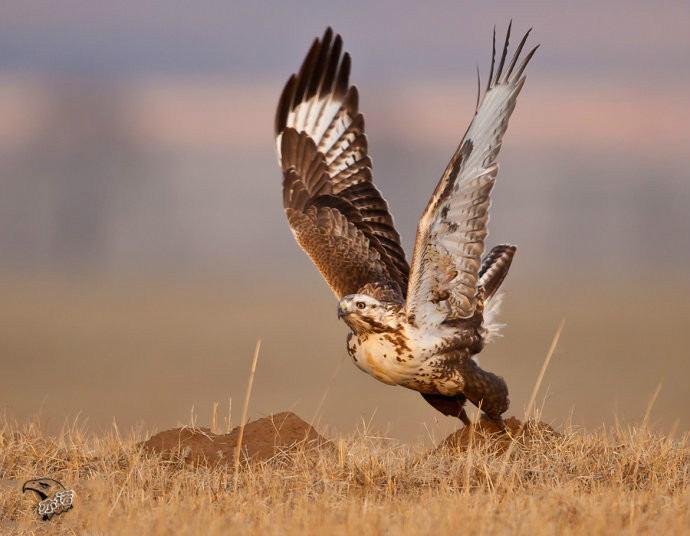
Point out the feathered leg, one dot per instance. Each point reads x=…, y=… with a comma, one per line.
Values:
x=453, y=406
x=485, y=390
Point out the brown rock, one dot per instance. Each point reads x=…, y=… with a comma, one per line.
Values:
x=485, y=432
x=262, y=440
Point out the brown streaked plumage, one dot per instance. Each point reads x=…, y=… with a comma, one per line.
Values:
x=330, y=200
x=417, y=326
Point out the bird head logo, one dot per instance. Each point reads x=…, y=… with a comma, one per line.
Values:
x=54, y=498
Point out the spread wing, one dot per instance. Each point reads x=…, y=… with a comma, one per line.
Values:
x=336, y=213
x=450, y=235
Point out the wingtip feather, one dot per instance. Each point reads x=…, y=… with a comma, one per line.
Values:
x=493, y=60
x=503, y=54
x=524, y=63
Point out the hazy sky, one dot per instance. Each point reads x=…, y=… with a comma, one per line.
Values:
x=635, y=39
x=595, y=164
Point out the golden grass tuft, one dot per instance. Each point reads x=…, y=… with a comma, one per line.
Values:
x=621, y=480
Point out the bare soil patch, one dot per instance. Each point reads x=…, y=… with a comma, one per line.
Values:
x=284, y=432
x=485, y=432
x=263, y=439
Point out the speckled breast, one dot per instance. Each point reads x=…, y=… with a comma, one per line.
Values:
x=417, y=363
x=385, y=356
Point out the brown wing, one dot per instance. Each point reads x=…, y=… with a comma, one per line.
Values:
x=336, y=213
x=451, y=233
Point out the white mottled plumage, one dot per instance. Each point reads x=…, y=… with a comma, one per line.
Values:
x=397, y=353
x=451, y=233
x=419, y=326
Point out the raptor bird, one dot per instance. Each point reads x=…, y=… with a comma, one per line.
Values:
x=418, y=326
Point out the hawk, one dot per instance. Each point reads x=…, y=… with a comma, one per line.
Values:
x=417, y=326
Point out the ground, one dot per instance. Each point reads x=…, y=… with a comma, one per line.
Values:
x=621, y=480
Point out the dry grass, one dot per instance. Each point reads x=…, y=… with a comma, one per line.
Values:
x=624, y=481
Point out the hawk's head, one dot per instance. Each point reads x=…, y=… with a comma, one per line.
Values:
x=364, y=314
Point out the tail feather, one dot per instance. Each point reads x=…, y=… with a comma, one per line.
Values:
x=492, y=328
x=494, y=269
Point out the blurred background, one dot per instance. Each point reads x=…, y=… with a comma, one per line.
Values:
x=144, y=250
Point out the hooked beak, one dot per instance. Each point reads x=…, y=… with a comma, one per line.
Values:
x=341, y=313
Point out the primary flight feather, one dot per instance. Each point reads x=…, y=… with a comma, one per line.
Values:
x=417, y=326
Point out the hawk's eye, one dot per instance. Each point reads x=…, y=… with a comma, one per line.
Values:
x=361, y=305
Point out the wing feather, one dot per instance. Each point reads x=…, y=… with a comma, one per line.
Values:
x=450, y=236
x=336, y=213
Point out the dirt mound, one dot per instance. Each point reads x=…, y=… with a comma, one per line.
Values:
x=262, y=440
x=485, y=432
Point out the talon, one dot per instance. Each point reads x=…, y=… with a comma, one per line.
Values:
x=498, y=421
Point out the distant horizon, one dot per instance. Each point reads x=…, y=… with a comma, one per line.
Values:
x=150, y=173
